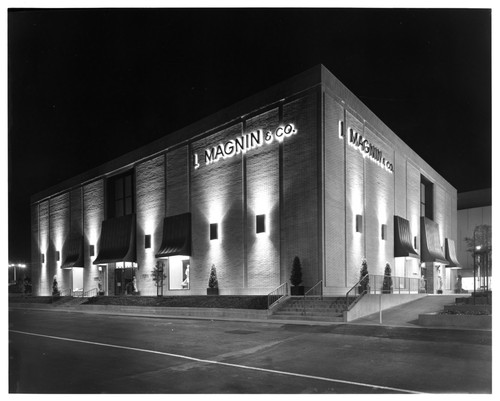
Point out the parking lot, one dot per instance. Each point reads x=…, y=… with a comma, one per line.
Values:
x=70, y=352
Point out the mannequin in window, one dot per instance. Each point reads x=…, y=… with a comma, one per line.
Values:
x=185, y=283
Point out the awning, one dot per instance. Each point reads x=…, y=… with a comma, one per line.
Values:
x=451, y=254
x=431, y=247
x=117, y=240
x=176, y=236
x=402, y=238
x=73, y=251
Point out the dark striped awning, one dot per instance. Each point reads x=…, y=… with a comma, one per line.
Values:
x=431, y=246
x=73, y=251
x=117, y=240
x=403, y=239
x=176, y=236
x=451, y=254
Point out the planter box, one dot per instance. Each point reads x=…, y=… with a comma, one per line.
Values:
x=297, y=290
x=212, y=291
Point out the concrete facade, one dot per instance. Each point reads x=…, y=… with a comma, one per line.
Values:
x=302, y=171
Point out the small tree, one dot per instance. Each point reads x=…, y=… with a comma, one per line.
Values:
x=55, y=288
x=296, y=276
x=481, y=237
x=387, y=285
x=363, y=277
x=158, y=277
x=212, y=279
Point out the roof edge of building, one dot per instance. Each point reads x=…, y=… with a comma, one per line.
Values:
x=354, y=103
x=284, y=89
x=317, y=75
x=474, y=199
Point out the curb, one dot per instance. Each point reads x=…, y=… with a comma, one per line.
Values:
x=138, y=314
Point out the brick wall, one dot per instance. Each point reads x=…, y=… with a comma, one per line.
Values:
x=400, y=187
x=93, y=215
x=36, y=265
x=334, y=173
x=379, y=208
x=411, y=267
x=45, y=281
x=262, y=272
x=76, y=226
x=59, y=229
x=150, y=210
x=178, y=181
x=355, y=241
x=299, y=230
x=217, y=197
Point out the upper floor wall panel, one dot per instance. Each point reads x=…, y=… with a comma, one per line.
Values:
x=314, y=79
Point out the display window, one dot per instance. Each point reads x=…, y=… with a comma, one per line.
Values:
x=178, y=268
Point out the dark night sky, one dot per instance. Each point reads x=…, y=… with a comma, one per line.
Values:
x=86, y=86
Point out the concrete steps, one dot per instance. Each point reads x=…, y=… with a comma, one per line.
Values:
x=67, y=302
x=326, y=309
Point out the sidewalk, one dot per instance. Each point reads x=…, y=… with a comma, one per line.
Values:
x=405, y=315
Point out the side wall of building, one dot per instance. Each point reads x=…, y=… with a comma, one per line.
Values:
x=277, y=179
x=360, y=189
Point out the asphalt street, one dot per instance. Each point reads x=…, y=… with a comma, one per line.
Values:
x=76, y=353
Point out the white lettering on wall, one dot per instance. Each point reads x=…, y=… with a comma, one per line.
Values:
x=369, y=150
x=244, y=143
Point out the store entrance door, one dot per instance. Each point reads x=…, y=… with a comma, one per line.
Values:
x=123, y=281
x=77, y=279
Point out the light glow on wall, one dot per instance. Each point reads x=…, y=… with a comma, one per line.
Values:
x=149, y=224
x=262, y=203
x=216, y=210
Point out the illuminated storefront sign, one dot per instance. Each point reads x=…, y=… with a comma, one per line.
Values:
x=244, y=143
x=369, y=150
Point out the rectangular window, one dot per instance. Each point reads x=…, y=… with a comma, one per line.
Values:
x=120, y=195
x=426, y=198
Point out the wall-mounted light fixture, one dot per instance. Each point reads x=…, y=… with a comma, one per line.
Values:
x=260, y=223
x=359, y=223
x=58, y=255
x=384, y=231
x=214, y=231
x=147, y=241
x=92, y=250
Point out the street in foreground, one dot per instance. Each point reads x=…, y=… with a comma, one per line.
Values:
x=68, y=352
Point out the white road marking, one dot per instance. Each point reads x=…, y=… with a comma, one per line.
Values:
x=327, y=379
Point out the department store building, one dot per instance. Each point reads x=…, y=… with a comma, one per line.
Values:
x=302, y=169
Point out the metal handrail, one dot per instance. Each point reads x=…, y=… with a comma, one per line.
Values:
x=397, y=285
x=88, y=293
x=276, y=295
x=319, y=283
x=309, y=291
x=355, y=287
